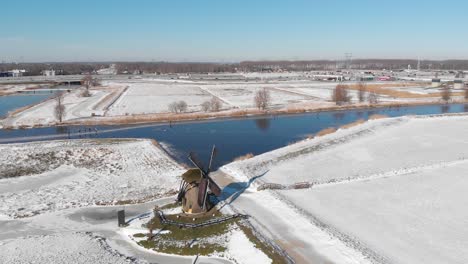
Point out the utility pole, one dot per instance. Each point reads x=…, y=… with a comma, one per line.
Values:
x=348, y=60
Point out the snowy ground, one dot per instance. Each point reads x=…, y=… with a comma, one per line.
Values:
x=81, y=235
x=51, y=192
x=241, y=95
x=148, y=97
x=388, y=191
x=76, y=107
x=117, y=99
x=239, y=248
x=43, y=114
x=49, y=176
x=61, y=248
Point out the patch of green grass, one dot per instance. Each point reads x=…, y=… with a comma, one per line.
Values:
x=265, y=248
x=205, y=249
x=178, y=233
x=139, y=235
x=182, y=235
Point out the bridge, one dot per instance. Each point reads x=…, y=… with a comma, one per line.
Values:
x=58, y=79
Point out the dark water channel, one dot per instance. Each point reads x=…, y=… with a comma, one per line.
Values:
x=233, y=137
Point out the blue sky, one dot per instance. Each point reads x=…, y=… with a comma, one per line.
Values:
x=229, y=31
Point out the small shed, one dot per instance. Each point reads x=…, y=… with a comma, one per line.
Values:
x=436, y=82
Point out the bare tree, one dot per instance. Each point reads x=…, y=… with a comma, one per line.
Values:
x=362, y=88
x=88, y=81
x=205, y=106
x=173, y=107
x=178, y=107
x=262, y=99
x=215, y=104
x=182, y=105
x=340, y=94
x=373, y=98
x=59, y=110
x=446, y=93
x=465, y=93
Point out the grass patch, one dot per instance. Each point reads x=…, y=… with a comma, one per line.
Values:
x=180, y=241
x=178, y=233
x=326, y=131
x=267, y=249
x=353, y=124
x=374, y=117
x=185, y=250
x=244, y=157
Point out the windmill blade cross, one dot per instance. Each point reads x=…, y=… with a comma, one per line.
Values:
x=194, y=159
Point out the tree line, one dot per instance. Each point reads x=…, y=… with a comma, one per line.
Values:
x=74, y=68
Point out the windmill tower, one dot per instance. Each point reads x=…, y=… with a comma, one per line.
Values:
x=196, y=186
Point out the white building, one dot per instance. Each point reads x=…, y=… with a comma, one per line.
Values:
x=17, y=73
x=48, y=73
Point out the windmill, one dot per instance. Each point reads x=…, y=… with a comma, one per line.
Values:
x=196, y=185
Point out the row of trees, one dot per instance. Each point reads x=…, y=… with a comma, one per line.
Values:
x=340, y=94
x=446, y=93
x=262, y=101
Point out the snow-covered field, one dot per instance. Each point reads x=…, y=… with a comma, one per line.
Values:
x=147, y=97
x=116, y=99
x=391, y=190
x=61, y=248
x=43, y=114
x=49, y=176
x=419, y=217
x=242, y=95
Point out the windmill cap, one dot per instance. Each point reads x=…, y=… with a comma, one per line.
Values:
x=192, y=175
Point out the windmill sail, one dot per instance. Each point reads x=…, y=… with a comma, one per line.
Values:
x=202, y=192
x=214, y=187
x=194, y=159
x=213, y=154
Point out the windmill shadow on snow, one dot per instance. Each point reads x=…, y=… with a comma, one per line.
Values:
x=236, y=189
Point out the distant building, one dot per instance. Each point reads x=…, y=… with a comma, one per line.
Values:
x=13, y=73
x=436, y=82
x=48, y=73
x=112, y=70
x=458, y=84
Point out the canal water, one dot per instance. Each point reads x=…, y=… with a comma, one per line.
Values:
x=233, y=137
x=11, y=102
x=24, y=98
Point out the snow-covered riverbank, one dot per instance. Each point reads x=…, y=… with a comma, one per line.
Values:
x=48, y=176
x=387, y=191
